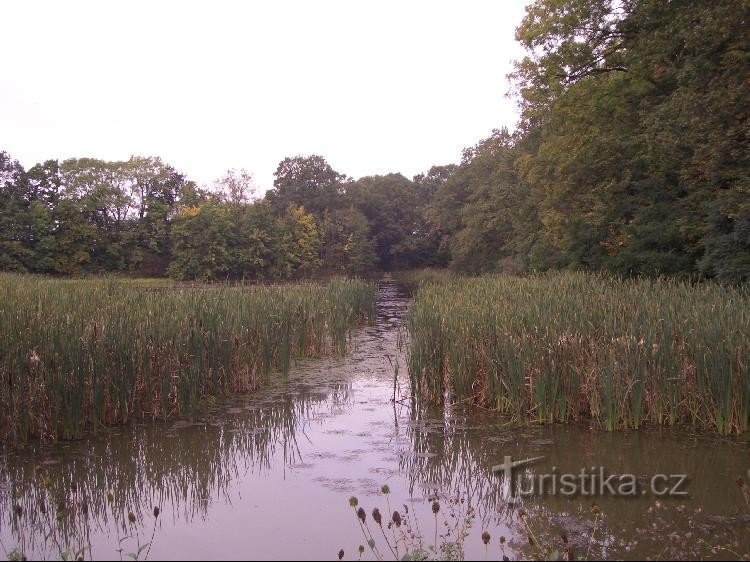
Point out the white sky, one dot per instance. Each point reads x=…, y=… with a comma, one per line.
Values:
x=374, y=87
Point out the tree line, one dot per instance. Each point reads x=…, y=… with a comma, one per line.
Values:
x=631, y=155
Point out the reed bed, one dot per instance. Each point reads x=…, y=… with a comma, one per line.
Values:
x=76, y=356
x=412, y=279
x=574, y=347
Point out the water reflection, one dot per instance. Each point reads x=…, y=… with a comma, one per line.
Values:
x=269, y=475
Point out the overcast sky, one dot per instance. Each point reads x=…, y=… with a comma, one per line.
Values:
x=374, y=87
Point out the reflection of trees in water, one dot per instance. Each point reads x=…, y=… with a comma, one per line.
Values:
x=453, y=452
x=446, y=458
x=93, y=485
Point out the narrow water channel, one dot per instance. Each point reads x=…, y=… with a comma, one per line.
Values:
x=270, y=475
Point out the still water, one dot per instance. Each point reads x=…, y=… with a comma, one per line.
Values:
x=270, y=476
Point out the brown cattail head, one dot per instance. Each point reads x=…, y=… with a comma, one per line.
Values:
x=157, y=511
x=131, y=517
x=353, y=501
x=435, y=507
x=361, y=514
x=361, y=550
x=341, y=554
x=385, y=490
x=17, y=510
x=485, y=538
x=502, y=539
x=376, y=516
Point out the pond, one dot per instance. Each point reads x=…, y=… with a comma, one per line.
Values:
x=270, y=475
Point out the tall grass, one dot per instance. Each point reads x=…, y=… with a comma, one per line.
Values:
x=79, y=355
x=575, y=346
x=412, y=279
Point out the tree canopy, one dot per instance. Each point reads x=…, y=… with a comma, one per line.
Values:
x=631, y=155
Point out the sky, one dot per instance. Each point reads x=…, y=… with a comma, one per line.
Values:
x=374, y=87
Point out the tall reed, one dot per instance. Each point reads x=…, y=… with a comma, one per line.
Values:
x=575, y=346
x=79, y=355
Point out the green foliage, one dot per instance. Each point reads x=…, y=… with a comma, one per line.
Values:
x=395, y=208
x=573, y=346
x=79, y=355
x=632, y=153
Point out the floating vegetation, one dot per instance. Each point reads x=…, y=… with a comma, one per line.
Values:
x=76, y=356
x=573, y=346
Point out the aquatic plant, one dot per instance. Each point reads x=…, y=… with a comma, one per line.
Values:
x=575, y=346
x=76, y=356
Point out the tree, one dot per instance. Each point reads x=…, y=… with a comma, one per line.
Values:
x=347, y=246
x=15, y=255
x=394, y=207
x=299, y=244
x=236, y=187
x=307, y=181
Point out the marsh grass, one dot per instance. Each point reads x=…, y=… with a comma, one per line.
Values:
x=76, y=356
x=573, y=346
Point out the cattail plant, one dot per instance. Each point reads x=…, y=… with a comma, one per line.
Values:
x=570, y=346
x=76, y=356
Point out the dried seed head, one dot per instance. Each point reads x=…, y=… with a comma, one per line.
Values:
x=353, y=501
x=341, y=554
x=435, y=507
x=361, y=550
x=502, y=539
x=376, y=516
x=385, y=489
x=131, y=517
x=396, y=518
x=361, y=514
x=595, y=509
x=156, y=512
x=485, y=537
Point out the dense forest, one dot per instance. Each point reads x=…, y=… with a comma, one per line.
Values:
x=631, y=155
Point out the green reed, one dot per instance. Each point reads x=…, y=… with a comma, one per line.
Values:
x=79, y=355
x=575, y=346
